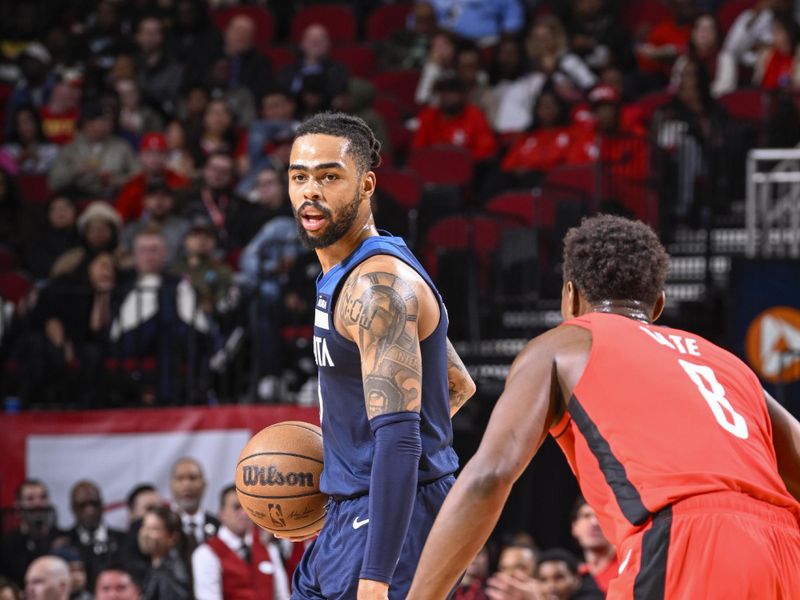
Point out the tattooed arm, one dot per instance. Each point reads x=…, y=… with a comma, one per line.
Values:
x=379, y=309
x=459, y=381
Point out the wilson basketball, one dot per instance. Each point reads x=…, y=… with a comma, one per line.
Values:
x=277, y=479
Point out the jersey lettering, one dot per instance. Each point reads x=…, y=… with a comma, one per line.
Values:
x=321, y=354
x=714, y=394
x=680, y=344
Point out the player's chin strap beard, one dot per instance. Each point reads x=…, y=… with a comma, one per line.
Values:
x=633, y=309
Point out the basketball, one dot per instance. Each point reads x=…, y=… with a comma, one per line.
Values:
x=277, y=479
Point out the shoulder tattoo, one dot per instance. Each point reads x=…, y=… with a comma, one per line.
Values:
x=380, y=311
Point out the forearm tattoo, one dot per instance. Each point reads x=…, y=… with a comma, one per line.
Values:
x=381, y=310
x=458, y=379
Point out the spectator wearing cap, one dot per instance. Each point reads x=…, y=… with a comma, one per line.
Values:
x=159, y=210
x=153, y=158
x=211, y=278
x=99, y=227
x=454, y=121
x=35, y=83
x=160, y=76
x=96, y=163
x=60, y=114
x=315, y=45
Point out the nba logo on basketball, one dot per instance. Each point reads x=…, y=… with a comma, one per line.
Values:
x=276, y=515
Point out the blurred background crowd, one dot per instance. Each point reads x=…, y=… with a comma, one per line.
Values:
x=147, y=249
x=149, y=255
x=170, y=548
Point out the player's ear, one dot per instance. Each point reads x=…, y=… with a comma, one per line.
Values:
x=570, y=301
x=368, y=184
x=658, y=307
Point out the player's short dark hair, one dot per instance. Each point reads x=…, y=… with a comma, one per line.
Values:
x=137, y=491
x=364, y=146
x=613, y=258
x=559, y=555
x=225, y=491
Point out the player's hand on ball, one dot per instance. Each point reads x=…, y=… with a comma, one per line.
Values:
x=372, y=590
x=298, y=539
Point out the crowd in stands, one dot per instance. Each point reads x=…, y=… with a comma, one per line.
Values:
x=172, y=549
x=147, y=247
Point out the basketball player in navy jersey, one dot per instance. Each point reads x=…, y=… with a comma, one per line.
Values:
x=389, y=380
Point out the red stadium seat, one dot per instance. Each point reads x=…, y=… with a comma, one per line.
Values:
x=400, y=83
x=729, y=11
x=338, y=20
x=745, y=105
x=389, y=108
x=402, y=185
x=639, y=16
x=263, y=21
x=33, y=188
x=581, y=178
x=479, y=235
x=524, y=208
x=385, y=20
x=280, y=56
x=360, y=60
x=442, y=165
x=14, y=286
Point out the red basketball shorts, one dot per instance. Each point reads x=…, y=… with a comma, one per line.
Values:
x=716, y=546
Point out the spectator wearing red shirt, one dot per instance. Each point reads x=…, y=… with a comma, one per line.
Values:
x=153, y=155
x=606, y=141
x=60, y=115
x=778, y=66
x=667, y=40
x=622, y=155
x=455, y=122
x=545, y=144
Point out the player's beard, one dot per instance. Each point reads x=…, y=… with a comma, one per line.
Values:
x=335, y=229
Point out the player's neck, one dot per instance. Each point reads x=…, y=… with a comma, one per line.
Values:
x=633, y=309
x=332, y=255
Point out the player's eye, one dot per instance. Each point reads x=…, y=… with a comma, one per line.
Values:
x=330, y=177
x=298, y=177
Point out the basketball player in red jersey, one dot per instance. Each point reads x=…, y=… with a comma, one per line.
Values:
x=693, y=470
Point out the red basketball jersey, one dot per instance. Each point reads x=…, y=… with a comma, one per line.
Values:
x=660, y=415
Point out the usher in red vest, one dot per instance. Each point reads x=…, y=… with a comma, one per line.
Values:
x=240, y=580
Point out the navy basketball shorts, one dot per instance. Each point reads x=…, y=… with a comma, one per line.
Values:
x=330, y=565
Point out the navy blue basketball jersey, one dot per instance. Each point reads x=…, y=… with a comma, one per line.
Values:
x=348, y=440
